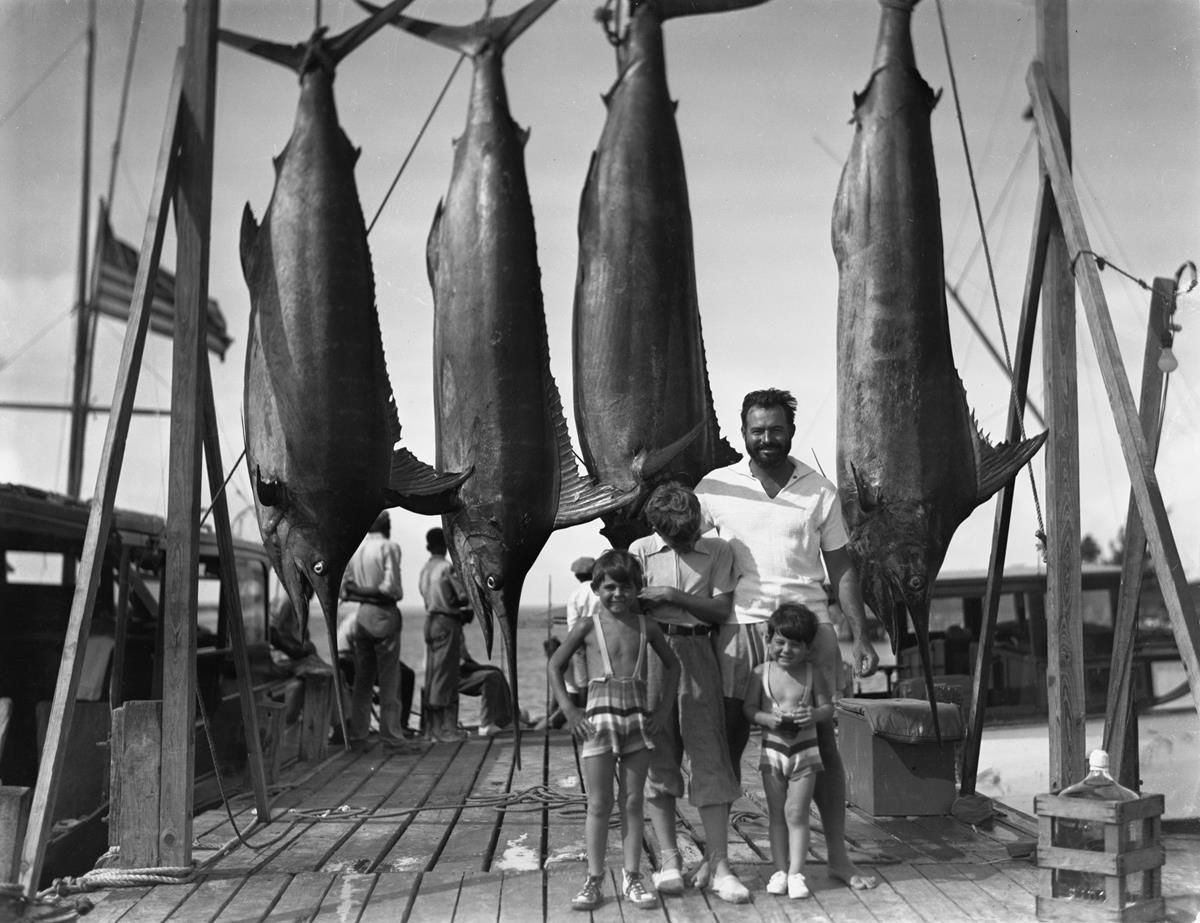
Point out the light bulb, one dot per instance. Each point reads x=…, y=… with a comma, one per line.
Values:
x=1167, y=362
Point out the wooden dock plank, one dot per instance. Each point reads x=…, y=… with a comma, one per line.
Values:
x=920, y=893
x=301, y=898
x=914, y=835
x=390, y=898
x=774, y=908
x=841, y=903
x=469, y=846
x=254, y=900
x=563, y=882
x=520, y=846
x=999, y=887
x=110, y=906
x=345, y=899
x=323, y=837
x=412, y=843
x=159, y=904
x=565, y=841
x=522, y=896
x=479, y=898
x=436, y=897
x=973, y=902
x=205, y=903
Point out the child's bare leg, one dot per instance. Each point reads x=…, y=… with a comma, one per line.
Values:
x=597, y=776
x=796, y=812
x=631, y=772
x=775, y=787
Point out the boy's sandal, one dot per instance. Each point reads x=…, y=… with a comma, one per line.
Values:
x=778, y=883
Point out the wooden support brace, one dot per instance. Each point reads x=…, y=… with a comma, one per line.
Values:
x=232, y=597
x=1150, y=505
x=101, y=516
x=1118, y=715
x=969, y=766
x=135, y=761
x=14, y=813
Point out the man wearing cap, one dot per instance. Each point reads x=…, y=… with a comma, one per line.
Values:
x=581, y=604
x=449, y=609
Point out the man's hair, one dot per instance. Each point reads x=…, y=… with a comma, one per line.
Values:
x=768, y=398
x=435, y=540
x=621, y=566
x=795, y=622
x=673, y=511
x=382, y=524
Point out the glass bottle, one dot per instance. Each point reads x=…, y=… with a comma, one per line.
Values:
x=1097, y=785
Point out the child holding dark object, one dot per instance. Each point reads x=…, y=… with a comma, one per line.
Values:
x=616, y=729
x=786, y=697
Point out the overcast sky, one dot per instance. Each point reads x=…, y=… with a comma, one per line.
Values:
x=764, y=104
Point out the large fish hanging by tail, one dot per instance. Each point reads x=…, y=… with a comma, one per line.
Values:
x=912, y=464
x=643, y=405
x=319, y=416
x=498, y=408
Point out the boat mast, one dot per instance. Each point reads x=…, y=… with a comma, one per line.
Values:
x=83, y=314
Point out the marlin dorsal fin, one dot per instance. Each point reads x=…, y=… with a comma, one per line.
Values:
x=995, y=466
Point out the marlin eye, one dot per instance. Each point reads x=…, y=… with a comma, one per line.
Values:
x=916, y=583
x=319, y=568
x=493, y=582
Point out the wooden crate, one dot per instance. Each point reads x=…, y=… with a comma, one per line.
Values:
x=1131, y=861
x=893, y=774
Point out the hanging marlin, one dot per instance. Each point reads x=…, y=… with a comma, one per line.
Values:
x=643, y=405
x=320, y=419
x=498, y=408
x=912, y=464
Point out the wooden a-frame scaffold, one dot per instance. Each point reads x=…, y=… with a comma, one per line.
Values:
x=1058, y=257
x=183, y=175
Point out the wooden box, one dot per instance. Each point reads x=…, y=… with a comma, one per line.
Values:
x=894, y=763
x=1131, y=861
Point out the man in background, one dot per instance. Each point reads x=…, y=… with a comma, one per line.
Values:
x=373, y=580
x=448, y=610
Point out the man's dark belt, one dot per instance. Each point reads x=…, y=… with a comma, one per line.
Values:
x=685, y=630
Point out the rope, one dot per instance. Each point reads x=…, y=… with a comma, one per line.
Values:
x=420, y=134
x=987, y=254
x=42, y=79
x=533, y=798
x=12, y=357
x=103, y=879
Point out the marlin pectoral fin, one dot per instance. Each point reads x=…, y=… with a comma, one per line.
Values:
x=647, y=464
x=415, y=486
x=581, y=500
x=995, y=466
x=868, y=496
x=249, y=238
x=270, y=493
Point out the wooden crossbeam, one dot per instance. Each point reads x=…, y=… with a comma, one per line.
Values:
x=1120, y=731
x=1144, y=484
x=100, y=516
x=991, y=607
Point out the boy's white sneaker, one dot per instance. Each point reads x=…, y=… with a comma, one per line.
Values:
x=778, y=883
x=797, y=886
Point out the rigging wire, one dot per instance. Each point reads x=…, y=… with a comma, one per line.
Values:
x=129, y=58
x=417, y=140
x=962, y=130
x=6, y=361
x=42, y=79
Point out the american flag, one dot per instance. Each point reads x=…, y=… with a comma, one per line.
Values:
x=114, y=292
